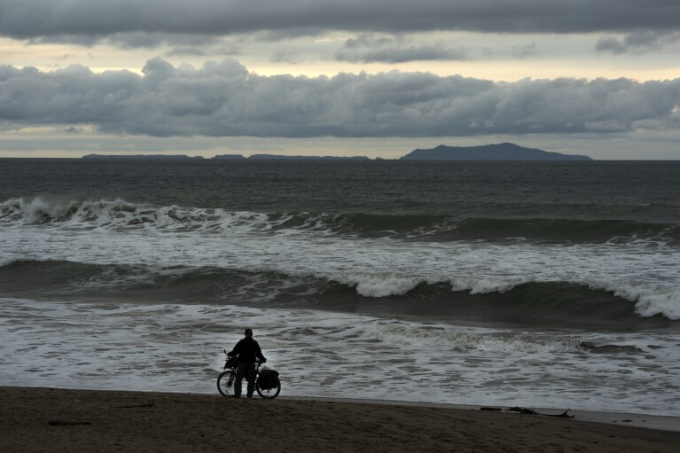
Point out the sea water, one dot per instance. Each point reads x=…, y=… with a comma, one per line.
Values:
x=497, y=283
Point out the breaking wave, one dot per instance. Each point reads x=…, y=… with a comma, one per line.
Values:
x=529, y=303
x=120, y=215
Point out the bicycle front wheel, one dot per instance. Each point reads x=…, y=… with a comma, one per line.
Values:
x=224, y=382
x=271, y=393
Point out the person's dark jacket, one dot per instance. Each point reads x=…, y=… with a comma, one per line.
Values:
x=247, y=351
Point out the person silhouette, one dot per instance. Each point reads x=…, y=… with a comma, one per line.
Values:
x=248, y=351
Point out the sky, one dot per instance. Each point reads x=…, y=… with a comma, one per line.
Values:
x=376, y=78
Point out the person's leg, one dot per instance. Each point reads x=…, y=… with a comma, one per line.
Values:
x=240, y=373
x=250, y=376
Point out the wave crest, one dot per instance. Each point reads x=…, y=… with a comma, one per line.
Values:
x=119, y=214
x=558, y=304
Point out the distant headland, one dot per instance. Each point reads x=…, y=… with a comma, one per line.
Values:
x=502, y=151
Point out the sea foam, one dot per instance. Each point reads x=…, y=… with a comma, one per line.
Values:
x=480, y=339
x=178, y=348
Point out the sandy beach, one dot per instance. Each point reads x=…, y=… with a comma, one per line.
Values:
x=55, y=420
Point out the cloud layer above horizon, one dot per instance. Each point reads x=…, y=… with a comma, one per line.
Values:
x=354, y=69
x=225, y=99
x=38, y=18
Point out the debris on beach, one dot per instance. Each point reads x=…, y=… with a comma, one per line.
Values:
x=526, y=411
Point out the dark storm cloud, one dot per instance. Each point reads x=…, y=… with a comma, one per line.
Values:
x=224, y=99
x=40, y=18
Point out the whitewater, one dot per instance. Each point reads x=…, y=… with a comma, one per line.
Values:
x=511, y=295
x=123, y=234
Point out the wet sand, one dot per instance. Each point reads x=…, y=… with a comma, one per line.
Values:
x=55, y=420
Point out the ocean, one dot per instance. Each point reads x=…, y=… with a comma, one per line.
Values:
x=535, y=284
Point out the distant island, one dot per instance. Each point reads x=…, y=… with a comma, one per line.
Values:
x=141, y=156
x=229, y=157
x=502, y=151
x=281, y=157
x=218, y=157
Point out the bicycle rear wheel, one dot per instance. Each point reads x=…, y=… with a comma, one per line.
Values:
x=271, y=393
x=224, y=382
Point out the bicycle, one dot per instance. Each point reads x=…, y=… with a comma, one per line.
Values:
x=267, y=383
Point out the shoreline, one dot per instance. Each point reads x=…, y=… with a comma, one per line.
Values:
x=35, y=419
x=650, y=421
x=632, y=419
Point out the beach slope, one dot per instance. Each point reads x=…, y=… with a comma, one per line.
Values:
x=53, y=420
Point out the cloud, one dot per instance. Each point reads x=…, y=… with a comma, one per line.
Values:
x=400, y=55
x=136, y=40
x=524, y=51
x=610, y=45
x=224, y=49
x=637, y=43
x=79, y=40
x=130, y=40
x=225, y=99
x=370, y=48
x=26, y=19
x=285, y=56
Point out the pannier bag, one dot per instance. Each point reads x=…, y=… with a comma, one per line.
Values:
x=268, y=379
